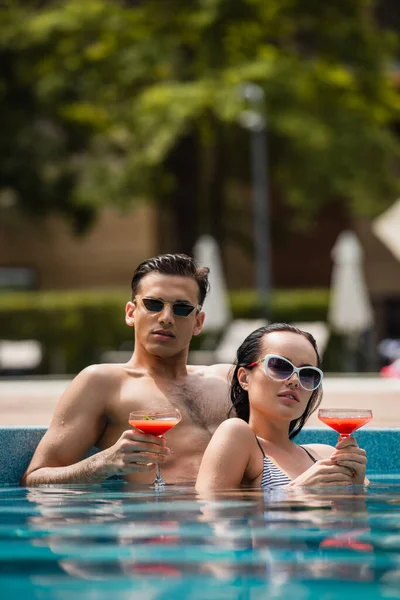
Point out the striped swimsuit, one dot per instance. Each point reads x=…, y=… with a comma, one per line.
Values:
x=272, y=476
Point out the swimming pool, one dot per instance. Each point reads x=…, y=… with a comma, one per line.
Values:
x=116, y=541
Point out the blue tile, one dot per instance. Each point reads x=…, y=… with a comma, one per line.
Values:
x=381, y=445
x=16, y=449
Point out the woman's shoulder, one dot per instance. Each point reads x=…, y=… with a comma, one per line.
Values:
x=235, y=426
x=227, y=461
x=235, y=437
x=319, y=451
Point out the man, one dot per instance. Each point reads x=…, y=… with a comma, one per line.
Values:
x=167, y=295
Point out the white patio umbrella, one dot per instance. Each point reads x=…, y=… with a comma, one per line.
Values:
x=350, y=312
x=216, y=305
x=350, y=309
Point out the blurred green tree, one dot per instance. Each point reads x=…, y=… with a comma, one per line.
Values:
x=111, y=101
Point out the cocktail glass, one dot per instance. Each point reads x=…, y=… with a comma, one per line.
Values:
x=155, y=422
x=345, y=420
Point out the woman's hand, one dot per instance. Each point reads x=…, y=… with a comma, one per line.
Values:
x=348, y=454
x=324, y=473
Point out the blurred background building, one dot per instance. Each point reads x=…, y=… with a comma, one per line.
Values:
x=123, y=141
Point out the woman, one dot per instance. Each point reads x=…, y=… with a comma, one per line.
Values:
x=275, y=387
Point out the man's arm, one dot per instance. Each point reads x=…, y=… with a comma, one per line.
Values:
x=222, y=401
x=223, y=370
x=78, y=423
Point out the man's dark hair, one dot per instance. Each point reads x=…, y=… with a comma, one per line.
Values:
x=173, y=264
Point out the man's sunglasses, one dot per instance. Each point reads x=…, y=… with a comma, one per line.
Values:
x=281, y=369
x=180, y=309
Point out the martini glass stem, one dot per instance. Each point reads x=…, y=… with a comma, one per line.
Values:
x=158, y=482
x=343, y=436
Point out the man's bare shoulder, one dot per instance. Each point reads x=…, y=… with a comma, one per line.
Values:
x=103, y=372
x=220, y=371
x=98, y=378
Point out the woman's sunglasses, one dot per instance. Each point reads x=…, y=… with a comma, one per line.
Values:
x=180, y=309
x=280, y=369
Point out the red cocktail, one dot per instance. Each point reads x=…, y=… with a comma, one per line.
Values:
x=155, y=422
x=345, y=420
x=155, y=427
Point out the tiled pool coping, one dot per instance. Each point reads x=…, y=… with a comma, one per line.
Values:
x=382, y=447
x=381, y=444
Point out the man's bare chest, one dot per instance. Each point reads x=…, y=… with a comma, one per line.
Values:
x=202, y=404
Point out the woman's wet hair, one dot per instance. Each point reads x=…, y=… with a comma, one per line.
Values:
x=173, y=264
x=248, y=352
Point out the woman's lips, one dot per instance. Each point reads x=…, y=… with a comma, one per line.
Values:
x=289, y=396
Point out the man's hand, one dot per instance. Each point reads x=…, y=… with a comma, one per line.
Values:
x=135, y=451
x=348, y=454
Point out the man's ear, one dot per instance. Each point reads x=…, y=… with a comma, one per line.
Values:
x=243, y=378
x=130, y=314
x=199, y=323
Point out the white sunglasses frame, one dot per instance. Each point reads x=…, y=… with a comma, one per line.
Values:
x=296, y=370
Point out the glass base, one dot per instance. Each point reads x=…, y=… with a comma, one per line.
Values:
x=158, y=482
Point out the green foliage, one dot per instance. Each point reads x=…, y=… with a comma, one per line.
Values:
x=76, y=326
x=81, y=325
x=95, y=95
x=286, y=305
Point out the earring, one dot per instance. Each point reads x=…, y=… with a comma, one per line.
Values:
x=244, y=382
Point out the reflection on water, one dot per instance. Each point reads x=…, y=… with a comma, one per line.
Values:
x=118, y=541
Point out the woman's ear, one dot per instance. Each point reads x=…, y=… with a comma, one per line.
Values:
x=243, y=378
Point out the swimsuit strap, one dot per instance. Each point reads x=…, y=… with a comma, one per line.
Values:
x=309, y=454
x=261, y=448
x=302, y=447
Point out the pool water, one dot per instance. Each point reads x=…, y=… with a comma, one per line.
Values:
x=115, y=541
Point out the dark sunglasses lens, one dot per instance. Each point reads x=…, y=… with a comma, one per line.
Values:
x=183, y=310
x=153, y=305
x=279, y=368
x=310, y=378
